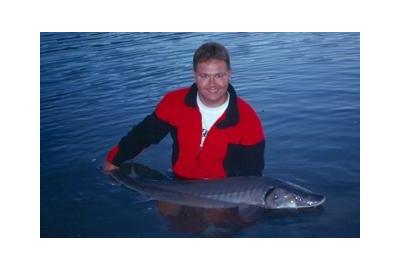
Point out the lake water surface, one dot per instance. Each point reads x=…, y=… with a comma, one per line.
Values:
x=96, y=86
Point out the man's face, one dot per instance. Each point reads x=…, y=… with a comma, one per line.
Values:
x=212, y=79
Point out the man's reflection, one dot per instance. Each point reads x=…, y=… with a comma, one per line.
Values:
x=216, y=222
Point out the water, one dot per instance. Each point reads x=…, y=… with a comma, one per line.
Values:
x=95, y=86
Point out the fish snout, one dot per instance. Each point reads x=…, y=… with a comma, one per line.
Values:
x=314, y=200
x=280, y=198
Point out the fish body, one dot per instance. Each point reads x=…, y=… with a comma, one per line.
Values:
x=261, y=191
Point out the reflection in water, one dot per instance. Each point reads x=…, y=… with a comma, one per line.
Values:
x=216, y=222
x=226, y=222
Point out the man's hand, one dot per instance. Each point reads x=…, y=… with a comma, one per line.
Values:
x=108, y=167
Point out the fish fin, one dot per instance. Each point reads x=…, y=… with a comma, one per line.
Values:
x=249, y=213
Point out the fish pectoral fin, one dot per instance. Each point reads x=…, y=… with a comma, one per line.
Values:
x=249, y=213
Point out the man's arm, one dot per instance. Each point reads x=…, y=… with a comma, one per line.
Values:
x=150, y=131
x=245, y=160
x=247, y=157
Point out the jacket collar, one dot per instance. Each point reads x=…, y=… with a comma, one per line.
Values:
x=232, y=115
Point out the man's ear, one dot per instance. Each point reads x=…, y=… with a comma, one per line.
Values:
x=229, y=74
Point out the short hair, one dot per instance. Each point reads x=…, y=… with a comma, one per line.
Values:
x=211, y=50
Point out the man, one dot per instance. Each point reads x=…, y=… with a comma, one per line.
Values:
x=215, y=133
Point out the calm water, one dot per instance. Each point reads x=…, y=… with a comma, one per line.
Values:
x=95, y=86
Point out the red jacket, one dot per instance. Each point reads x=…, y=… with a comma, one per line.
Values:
x=234, y=146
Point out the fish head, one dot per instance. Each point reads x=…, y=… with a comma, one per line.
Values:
x=291, y=198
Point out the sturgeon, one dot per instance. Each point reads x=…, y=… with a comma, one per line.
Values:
x=261, y=191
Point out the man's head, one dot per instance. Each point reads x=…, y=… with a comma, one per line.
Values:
x=212, y=72
x=211, y=50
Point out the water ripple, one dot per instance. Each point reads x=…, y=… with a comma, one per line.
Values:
x=305, y=87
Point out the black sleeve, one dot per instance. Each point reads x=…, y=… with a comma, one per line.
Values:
x=150, y=131
x=245, y=160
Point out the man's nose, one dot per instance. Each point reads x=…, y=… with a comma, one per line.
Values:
x=212, y=80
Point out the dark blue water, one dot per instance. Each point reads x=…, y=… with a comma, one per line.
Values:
x=95, y=86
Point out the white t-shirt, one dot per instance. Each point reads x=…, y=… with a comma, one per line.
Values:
x=209, y=116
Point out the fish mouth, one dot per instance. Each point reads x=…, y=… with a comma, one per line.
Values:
x=311, y=201
x=320, y=199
